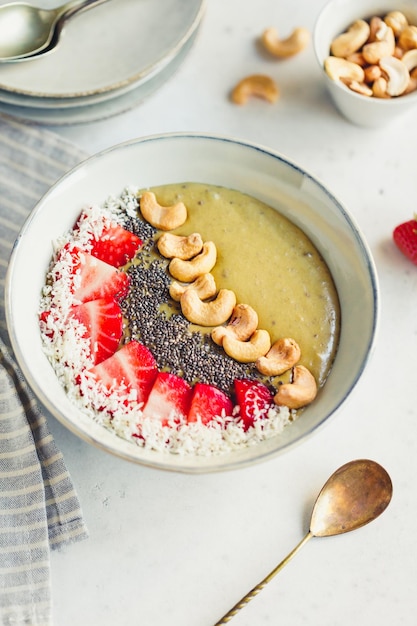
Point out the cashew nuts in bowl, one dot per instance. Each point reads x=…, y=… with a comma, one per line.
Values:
x=369, y=80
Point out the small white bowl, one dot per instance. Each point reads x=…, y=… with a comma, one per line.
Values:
x=248, y=168
x=334, y=19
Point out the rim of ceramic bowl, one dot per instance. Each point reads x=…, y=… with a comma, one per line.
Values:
x=251, y=156
x=366, y=9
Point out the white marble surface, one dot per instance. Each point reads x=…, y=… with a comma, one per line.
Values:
x=179, y=550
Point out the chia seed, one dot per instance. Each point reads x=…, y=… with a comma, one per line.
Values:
x=143, y=230
x=156, y=320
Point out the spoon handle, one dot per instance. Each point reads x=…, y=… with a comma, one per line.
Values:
x=254, y=592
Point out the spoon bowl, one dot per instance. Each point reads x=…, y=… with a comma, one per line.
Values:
x=354, y=495
x=27, y=31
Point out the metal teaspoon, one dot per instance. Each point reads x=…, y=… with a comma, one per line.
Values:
x=355, y=494
x=27, y=31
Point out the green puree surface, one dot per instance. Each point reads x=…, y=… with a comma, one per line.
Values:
x=269, y=263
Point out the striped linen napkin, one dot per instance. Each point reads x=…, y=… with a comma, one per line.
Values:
x=39, y=508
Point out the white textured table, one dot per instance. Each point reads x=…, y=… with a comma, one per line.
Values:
x=179, y=550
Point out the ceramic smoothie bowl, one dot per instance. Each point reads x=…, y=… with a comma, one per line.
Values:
x=370, y=103
x=213, y=163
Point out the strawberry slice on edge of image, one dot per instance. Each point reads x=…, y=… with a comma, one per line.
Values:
x=116, y=246
x=207, y=402
x=405, y=237
x=254, y=400
x=132, y=367
x=98, y=279
x=169, y=399
x=103, y=326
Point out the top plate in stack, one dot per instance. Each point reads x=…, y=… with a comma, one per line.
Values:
x=108, y=59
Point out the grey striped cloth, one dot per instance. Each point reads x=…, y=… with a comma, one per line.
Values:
x=39, y=508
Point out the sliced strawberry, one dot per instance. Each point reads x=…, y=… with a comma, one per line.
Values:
x=103, y=326
x=98, y=279
x=43, y=316
x=47, y=320
x=405, y=236
x=133, y=368
x=254, y=400
x=208, y=402
x=43, y=322
x=169, y=399
x=116, y=245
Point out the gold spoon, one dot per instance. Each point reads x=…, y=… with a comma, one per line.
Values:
x=357, y=493
x=27, y=31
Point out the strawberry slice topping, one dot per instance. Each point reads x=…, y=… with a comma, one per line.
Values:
x=97, y=278
x=116, y=245
x=405, y=237
x=132, y=368
x=103, y=326
x=208, y=402
x=254, y=400
x=169, y=399
x=45, y=317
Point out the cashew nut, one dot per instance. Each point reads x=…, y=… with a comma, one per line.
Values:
x=185, y=248
x=409, y=59
x=382, y=47
x=398, y=75
x=379, y=88
x=372, y=72
x=349, y=42
x=338, y=68
x=380, y=30
x=242, y=325
x=374, y=28
x=398, y=52
x=211, y=313
x=408, y=38
x=283, y=355
x=164, y=218
x=300, y=392
x=204, y=285
x=258, y=85
x=357, y=57
x=360, y=88
x=397, y=21
x=247, y=351
x=202, y=263
x=283, y=48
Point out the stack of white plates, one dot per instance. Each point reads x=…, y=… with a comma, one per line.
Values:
x=109, y=58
